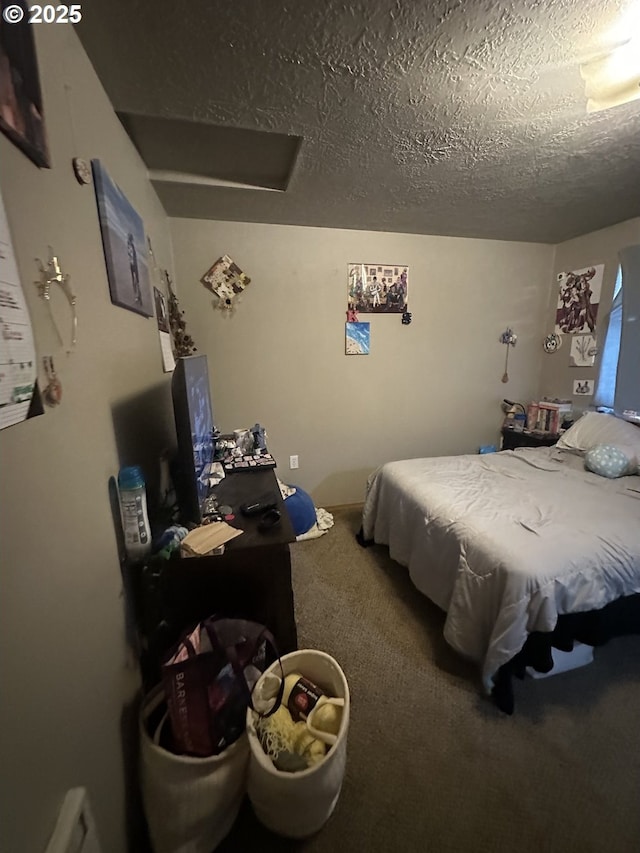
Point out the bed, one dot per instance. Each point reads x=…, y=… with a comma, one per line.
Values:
x=510, y=543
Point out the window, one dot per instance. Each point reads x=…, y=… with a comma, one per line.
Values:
x=619, y=379
x=606, y=387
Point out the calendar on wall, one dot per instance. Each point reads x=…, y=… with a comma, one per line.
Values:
x=18, y=370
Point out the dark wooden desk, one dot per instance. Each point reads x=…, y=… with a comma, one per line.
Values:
x=252, y=579
x=512, y=438
x=242, y=487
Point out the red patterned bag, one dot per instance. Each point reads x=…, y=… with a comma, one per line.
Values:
x=208, y=681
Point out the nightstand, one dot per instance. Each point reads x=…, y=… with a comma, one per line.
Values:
x=514, y=438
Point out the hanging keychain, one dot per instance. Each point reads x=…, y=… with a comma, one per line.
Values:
x=509, y=339
x=53, y=392
x=52, y=274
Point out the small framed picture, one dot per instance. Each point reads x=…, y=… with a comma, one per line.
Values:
x=21, y=112
x=583, y=387
x=124, y=244
x=583, y=351
x=358, y=338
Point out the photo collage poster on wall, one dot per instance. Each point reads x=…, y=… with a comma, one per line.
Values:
x=226, y=280
x=378, y=288
x=373, y=289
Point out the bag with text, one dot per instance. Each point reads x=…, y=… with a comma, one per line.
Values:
x=208, y=682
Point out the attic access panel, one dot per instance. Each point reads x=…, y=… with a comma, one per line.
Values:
x=208, y=151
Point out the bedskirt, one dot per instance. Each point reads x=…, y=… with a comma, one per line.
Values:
x=593, y=628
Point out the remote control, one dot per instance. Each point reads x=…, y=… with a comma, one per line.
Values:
x=259, y=505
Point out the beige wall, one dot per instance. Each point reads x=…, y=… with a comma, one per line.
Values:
x=429, y=388
x=599, y=247
x=67, y=675
x=433, y=387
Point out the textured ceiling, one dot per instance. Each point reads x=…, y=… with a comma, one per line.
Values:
x=460, y=118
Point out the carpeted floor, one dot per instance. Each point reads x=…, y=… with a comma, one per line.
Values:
x=432, y=764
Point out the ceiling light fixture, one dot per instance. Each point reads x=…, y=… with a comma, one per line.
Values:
x=613, y=78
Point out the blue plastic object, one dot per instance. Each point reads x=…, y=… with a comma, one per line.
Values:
x=302, y=511
x=130, y=477
x=488, y=448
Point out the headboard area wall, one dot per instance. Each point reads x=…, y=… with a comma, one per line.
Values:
x=564, y=372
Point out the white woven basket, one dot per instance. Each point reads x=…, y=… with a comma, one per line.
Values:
x=190, y=803
x=297, y=805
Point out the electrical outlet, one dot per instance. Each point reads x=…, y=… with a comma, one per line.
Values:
x=293, y=462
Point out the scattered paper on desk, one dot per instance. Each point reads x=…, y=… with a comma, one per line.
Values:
x=207, y=538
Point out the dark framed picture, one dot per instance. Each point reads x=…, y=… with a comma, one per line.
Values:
x=21, y=113
x=124, y=244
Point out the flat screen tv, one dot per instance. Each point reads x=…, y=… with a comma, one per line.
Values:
x=195, y=434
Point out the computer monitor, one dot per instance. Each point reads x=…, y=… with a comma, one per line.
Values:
x=193, y=413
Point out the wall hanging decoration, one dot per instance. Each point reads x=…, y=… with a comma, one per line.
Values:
x=378, y=288
x=583, y=351
x=162, y=315
x=583, y=387
x=578, y=299
x=82, y=170
x=352, y=316
x=182, y=342
x=164, y=331
x=124, y=244
x=162, y=312
x=21, y=115
x=19, y=396
x=406, y=318
x=225, y=280
x=52, y=392
x=552, y=343
x=51, y=275
x=510, y=340
x=358, y=338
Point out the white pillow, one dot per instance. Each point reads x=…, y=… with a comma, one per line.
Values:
x=595, y=428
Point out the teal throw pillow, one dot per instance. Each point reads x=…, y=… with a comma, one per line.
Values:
x=608, y=461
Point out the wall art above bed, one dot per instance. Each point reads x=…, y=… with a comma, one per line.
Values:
x=583, y=351
x=578, y=300
x=378, y=288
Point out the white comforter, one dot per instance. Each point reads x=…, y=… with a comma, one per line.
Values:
x=506, y=542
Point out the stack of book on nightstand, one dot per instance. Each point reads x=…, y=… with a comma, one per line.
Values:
x=547, y=415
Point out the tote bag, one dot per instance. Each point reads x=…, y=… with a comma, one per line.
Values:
x=208, y=680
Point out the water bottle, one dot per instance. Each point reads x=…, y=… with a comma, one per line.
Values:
x=133, y=510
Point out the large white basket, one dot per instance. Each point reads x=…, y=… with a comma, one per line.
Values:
x=190, y=803
x=298, y=804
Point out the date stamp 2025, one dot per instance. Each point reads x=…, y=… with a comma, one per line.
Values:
x=14, y=13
